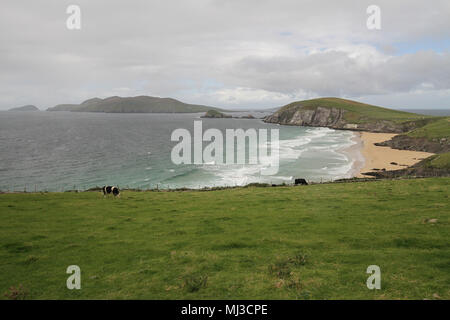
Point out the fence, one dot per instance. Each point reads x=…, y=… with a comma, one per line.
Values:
x=166, y=187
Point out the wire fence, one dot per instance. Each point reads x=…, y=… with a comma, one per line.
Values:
x=168, y=187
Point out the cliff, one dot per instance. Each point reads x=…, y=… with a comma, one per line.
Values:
x=346, y=114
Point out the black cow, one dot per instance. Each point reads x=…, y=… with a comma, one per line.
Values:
x=111, y=190
x=300, y=182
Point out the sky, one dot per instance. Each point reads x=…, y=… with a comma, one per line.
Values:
x=235, y=54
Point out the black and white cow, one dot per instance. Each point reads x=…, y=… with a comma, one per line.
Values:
x=111, y=190
x=300, y=181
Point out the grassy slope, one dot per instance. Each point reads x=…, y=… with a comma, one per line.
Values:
x=434, y=130
x=357, y=112
x=438, y=161
x=249, y=242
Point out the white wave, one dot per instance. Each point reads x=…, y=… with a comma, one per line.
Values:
x=239, y=176
x=343, y=171
x=283, y=178
x=320, y=143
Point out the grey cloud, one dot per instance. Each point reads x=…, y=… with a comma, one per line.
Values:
x=175, y=48
x=336, y=73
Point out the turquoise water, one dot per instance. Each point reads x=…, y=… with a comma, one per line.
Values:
x=58, y=151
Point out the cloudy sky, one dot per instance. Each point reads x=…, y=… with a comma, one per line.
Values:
x=226, y=53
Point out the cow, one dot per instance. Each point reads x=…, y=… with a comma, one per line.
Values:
x=300, y=181
x=111, y=190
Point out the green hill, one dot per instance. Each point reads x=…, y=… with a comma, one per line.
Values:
x=347, y=114
x=140, y=104
x=311, y=242
x=357, y=112
x=417, y=132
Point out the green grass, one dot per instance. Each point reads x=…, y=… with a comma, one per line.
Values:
x=438, y=161
x=312, y=242
x=434, y=130
x=357, y=112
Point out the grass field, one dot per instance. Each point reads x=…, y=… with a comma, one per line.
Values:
x=312, y=242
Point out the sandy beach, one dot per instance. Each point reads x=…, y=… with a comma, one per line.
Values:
x=376, y=157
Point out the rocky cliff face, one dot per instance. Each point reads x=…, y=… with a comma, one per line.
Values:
x=332, y=118
x=324, y=117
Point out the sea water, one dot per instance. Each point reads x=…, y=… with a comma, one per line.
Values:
x=58, y=151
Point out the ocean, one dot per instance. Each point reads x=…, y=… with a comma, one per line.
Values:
x=60, y=151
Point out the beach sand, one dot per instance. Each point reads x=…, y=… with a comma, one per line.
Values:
x=376, y=157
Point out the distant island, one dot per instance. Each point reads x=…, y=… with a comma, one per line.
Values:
x=215, y=114
x=139, y=104
x=28, y=107
x=219, y=115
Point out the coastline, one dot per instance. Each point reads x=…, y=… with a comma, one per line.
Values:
x=354, y=152
x=378, y=157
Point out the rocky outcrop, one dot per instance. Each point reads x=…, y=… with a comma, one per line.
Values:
x=404, y=142
x=410, y=172
x=330, y=117
x=420, y=169
x=219, y=115
x=249, y=116
x=215, y=114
